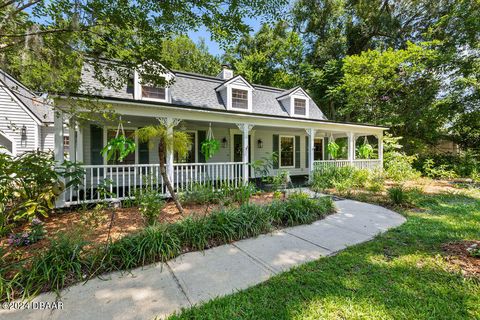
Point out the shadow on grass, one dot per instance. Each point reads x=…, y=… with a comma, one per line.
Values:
x=399, y=275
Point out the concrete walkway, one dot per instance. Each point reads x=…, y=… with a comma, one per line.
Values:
x=196, y=277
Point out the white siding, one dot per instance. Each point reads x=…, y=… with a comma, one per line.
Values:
x=240, y=82
x=47, y=138
x=12, y=118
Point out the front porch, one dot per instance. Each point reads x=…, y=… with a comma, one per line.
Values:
x=301, y=151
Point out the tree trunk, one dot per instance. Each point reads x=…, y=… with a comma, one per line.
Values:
x=166, y=180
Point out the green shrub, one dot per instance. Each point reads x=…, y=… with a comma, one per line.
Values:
x=397, y=195
x=438, y=172
x=66, y=261
x=376, y=181
x=399, y=168
x=240, y=194
x=150, y=204
x=463, y=164
x=344, y=179
x=201, y=194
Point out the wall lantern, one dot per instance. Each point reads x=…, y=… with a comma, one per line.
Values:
x=23, y=132
x=224, y=142
x=260, y=144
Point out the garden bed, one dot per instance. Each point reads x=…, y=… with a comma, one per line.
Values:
x=126, y=221
x=459, y=256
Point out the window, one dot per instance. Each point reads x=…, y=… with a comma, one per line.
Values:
x=239, y=99
x=66, y=142
x=287, y=152
x=130, y=159
x=191, y=156
x=317, y=149
x=151, y=92
x=300, y=107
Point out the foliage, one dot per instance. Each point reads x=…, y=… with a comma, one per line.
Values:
x=29, y=186
x=118, y=148
x=365, y=151
x=333, y=148
x=210, y=147
x=209, y=194
x=280, y=180
x=264, y=165
x=66, y=261
x=474, y=250
x=398, y=165
x=28, y=237
x=463, y=164
x=397, y=195
x=437, y=172
x=150, y=204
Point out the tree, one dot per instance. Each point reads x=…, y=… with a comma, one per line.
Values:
x=180, y=143
x=45, y=43
x=273, y=56
x=181, y=53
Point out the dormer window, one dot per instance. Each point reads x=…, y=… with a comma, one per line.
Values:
x=152, y=92
x=300, y=107
x=239, y=99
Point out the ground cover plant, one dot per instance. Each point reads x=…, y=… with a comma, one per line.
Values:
x=70, y=258
x=405, y=273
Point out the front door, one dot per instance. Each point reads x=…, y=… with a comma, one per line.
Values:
x=238, y=147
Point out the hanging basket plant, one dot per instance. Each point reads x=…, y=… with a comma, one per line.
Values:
x=119, y=147
x=333, y=149
x=210, y=147
x=366, y=150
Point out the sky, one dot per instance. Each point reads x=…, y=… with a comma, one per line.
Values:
x=214, y=47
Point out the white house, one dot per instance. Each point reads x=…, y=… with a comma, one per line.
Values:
x=26, y=122
x=249, y=120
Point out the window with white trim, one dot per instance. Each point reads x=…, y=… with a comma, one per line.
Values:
x=287, y=152
x=240, y=99
x=300, y=107
x=318, y=149
x=152, y=92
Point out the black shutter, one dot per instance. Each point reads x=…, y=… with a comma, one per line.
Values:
x=307, y=149
x=325, y=148
x=297, y=151
x=202, y=135
x=276, y=150
x=96, y=145
x=143, y=153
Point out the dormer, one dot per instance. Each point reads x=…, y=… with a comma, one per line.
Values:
x=150, y=91
x=237, y=94
x=296, y=101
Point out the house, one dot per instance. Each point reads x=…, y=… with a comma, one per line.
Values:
x=26, y=122
x=250, y=121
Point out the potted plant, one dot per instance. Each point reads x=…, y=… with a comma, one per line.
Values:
x=366, y=150
x=118, y=148
x=210, y=147
x=333, y=149
x=262, y=168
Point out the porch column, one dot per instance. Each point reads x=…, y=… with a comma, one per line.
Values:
x=169, y=124
x=245, y=128
x=79, y=143
x=311, y=149
x=72, y=149
x=351, y=147
x=58, y=150
x=380, y=149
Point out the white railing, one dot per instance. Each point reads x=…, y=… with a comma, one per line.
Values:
x=108, y=182
x=360, y=163
x=186, y=175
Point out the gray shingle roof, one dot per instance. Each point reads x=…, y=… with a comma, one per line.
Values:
x=33, y=102
x=194, y=90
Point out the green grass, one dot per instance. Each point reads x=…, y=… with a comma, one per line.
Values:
x=399, y=275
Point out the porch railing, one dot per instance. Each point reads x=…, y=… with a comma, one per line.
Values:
x=359, y=163
x=107, y=182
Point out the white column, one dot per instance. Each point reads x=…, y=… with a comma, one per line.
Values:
x=72, y=150
x=58, y=150
x=380, y=149
x=79, y=144
x=245, y=128
x=311, y=149
x=351, y=147
x=330, y=139
x=169, y=150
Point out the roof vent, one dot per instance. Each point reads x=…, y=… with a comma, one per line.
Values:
x=226, y=72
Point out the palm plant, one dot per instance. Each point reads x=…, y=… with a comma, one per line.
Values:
x=179, y=142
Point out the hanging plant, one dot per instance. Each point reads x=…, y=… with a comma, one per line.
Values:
x=210, y=146
x=118, y=148
x=366, y=150
x=333, y=149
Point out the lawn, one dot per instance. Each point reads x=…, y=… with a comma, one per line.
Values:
x=402, y=274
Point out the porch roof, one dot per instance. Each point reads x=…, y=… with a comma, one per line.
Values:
x=236, y=115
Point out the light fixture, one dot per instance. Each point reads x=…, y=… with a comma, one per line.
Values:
x=24, y=132
x=260, y=144
x=224, y=142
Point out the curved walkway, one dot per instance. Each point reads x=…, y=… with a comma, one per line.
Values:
x=196, y=277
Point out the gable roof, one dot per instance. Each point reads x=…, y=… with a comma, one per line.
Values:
x=195, y=90
x=32, y=102
x=229, y=81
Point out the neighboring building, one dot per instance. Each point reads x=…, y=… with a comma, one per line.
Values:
x=26, y=123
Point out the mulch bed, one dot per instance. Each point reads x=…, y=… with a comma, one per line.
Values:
x=126, y=221
x=458, y=256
